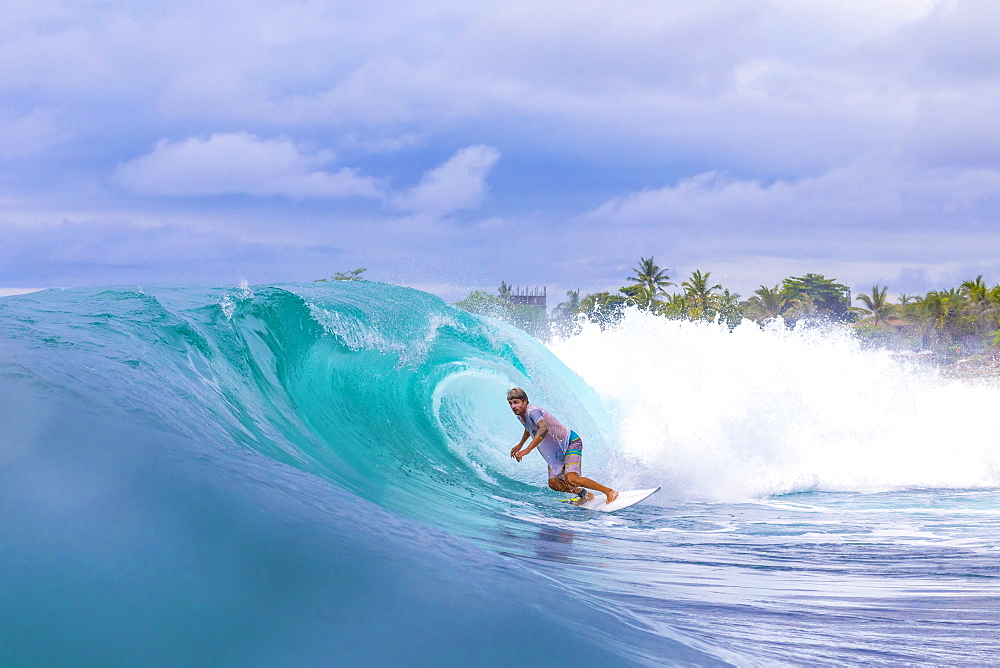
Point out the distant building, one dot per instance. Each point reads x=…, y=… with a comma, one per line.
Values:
x=528, y=296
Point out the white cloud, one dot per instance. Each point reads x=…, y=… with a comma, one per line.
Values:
x=761, y=87
x=952, y=46
x=240, y=164
x=861, y=198
x=28, y=135
x=460, y=183
x=873, y=221
x=778, y=129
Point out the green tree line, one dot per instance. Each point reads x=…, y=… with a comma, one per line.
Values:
x=961, y=320
x=531, y=319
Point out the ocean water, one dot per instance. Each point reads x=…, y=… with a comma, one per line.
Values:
x=319, y=474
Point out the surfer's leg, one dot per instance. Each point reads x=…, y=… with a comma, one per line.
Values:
x=560, y=485
x=557, y=481
x=577, y=479
x=572, y=464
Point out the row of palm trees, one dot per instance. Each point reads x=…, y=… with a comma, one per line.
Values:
x=965, y=316
x=698, y=299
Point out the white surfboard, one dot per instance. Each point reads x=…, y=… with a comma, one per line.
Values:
x=624, y=500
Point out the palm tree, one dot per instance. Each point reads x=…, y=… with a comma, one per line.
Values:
x=801, y=308
x=603, y=308
x=700, y=293
x=981, y=308
x=564, y=314
x=878, y=307
x=994, y=294
x=675, y=306
x=975, y=289
x=907, y=307
x=940, y=313
x=931, y=309
x=504, y=291
x=729, y=308
x=766, y=303
x=652, y=281
x=571, y=307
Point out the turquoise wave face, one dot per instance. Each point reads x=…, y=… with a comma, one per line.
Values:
x=324, y=466
x=386, y=391
x=390, y=393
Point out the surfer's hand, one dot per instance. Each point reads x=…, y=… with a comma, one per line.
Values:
x=513, y=451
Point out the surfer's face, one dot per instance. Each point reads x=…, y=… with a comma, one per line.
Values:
x=519, y=406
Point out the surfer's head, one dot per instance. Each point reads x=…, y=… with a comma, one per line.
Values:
x=517, y=393
x=518, y=400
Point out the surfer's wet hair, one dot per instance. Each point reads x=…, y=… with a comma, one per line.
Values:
x=517, y=393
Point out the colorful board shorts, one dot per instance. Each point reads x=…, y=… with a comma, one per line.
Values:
x=572, y=459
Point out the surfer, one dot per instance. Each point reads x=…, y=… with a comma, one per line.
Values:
x=561, y=448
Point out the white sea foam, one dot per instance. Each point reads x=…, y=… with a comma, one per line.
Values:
x=228, y=307
x=13, y=292
x=753, y=412
x=360, y=335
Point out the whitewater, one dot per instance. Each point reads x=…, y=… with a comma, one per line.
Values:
x=319, y=474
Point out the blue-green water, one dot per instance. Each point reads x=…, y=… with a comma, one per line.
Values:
x=319, y=474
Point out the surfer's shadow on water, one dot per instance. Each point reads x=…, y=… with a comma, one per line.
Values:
x=554, y=543
x=563, y=542
x=544, y=542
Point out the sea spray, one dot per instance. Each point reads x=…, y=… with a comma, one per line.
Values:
x=730, y=415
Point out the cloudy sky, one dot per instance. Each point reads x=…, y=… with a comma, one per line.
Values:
x=452, y=145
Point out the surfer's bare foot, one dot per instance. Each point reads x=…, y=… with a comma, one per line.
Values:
x=584, y=499
x=612, y=495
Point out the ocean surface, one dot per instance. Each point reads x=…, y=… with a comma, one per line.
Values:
x=319, y=474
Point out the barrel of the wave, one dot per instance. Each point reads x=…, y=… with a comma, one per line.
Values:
x=562, y=450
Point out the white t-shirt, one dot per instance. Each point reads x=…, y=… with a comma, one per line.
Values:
x=553, y=446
